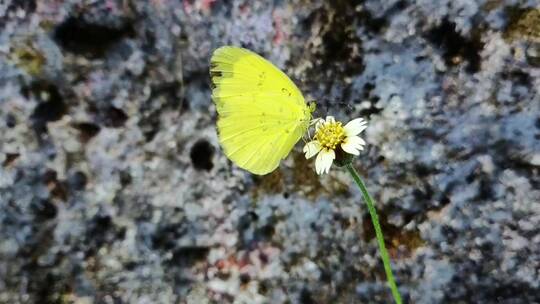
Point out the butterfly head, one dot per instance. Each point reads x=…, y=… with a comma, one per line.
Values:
x=308, y=112
x=312, y=105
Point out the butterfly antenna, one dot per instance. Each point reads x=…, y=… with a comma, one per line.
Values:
x=327, y=104
x=339, y=104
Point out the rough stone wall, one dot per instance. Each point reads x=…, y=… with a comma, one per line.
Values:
x=113, y=188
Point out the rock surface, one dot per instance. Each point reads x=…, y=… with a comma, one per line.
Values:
x=113, y=188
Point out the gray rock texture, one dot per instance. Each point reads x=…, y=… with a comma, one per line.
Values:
x=113, y=187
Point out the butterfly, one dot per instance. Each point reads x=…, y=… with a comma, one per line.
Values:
x=261, y=112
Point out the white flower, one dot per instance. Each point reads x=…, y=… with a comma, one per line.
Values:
x=329, y=135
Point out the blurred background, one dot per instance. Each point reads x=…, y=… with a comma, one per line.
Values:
x=113, y=187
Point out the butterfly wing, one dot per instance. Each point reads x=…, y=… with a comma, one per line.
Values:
x=261, y=113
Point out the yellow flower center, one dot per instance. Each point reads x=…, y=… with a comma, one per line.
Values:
x=330, y=135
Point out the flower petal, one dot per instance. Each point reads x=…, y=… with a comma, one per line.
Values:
x=330, y=119
x=324, y=161
x=312, y=148
x=353, y=145
x=355, y=126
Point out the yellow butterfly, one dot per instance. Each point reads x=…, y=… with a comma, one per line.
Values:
x=261, y=113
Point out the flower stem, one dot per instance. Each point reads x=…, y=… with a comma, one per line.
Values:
x=378, y=232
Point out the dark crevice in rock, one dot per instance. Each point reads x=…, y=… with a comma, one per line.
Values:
x=166, y=236
x=188, y=255
x=57, y=188
x=424, y=193
x=87, y=130
x=455, y=47
x=306, y=297
x=125, y=178
x=44, y=210
x=101, y=231
x=423, y=170
x=10, y=158
x=77, y=36
x=51, y=106
x=46, y=286
x=201, y=155
x=374, y=25
x=77, y=181
x=114, y=117
x=11, y=121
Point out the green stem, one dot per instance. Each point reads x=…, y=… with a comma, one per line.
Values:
x=378, y=232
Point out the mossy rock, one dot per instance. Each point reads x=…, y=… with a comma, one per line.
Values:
x=28, y=58
x=523, y=25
